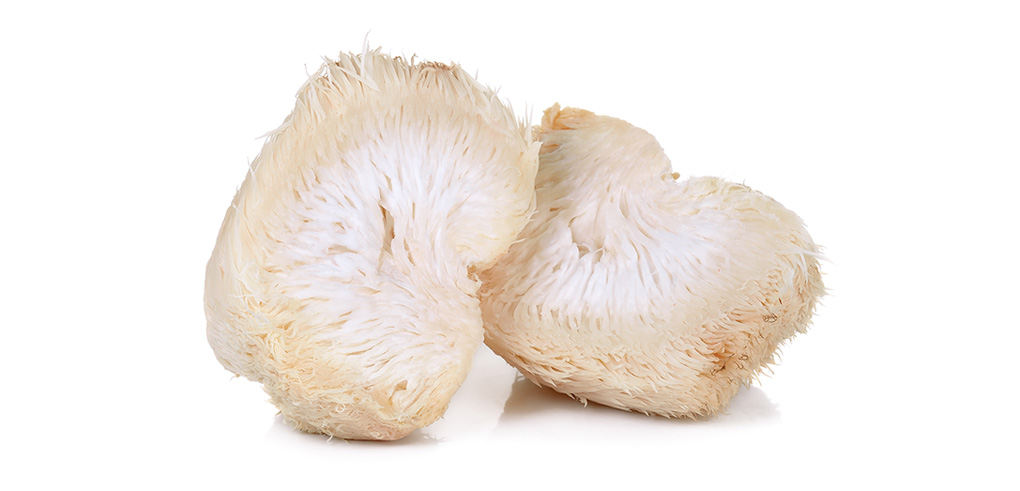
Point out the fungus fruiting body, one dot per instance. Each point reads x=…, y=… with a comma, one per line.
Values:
x=636, y=291
x=344, y=275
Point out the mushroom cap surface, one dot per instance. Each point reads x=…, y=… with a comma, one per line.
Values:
x=344, y=276
x=639, y=292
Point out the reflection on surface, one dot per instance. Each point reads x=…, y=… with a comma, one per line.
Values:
x=528, y=400
x=495, y=401
x=475, y=409
x=749, y=405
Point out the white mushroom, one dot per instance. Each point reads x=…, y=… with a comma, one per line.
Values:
x=638, y=292
x=344, y=275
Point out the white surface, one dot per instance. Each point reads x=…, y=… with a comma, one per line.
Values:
x=892, y=128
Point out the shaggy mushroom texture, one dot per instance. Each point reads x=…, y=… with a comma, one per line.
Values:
x=344, y=277
x=638, y=292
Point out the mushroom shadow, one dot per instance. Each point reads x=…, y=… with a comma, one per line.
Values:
x=750, y=405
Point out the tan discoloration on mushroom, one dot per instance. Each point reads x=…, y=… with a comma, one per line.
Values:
x=639, y=292
x=343, y=278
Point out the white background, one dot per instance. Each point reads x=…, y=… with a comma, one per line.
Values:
x=891, y=127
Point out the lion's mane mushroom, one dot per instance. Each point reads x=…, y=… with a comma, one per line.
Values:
x=344, y=275
x=639, y=292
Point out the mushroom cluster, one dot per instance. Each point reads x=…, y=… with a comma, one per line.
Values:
x=402, y=213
